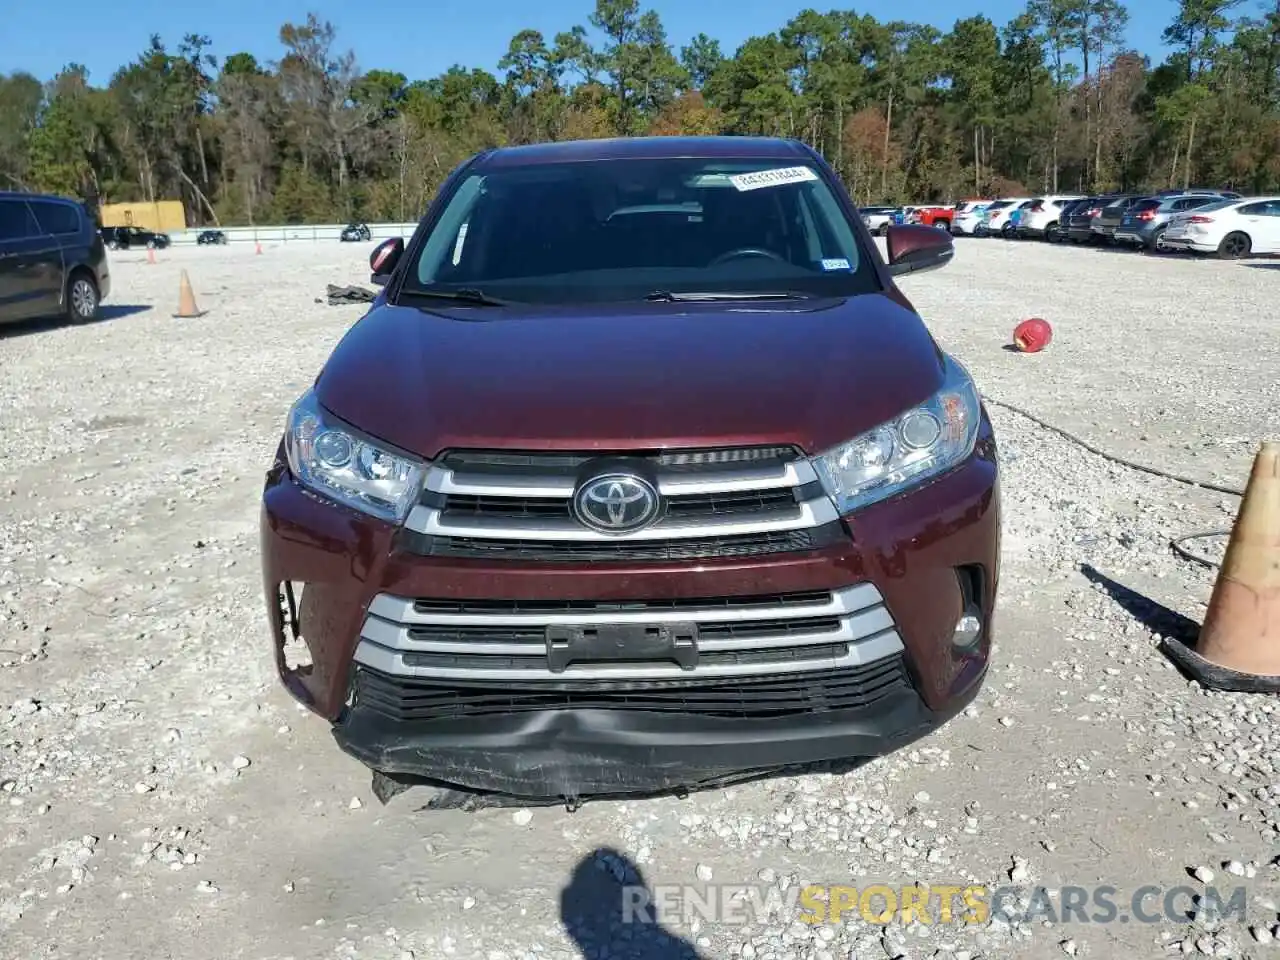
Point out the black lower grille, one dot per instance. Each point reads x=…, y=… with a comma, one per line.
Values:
x=422, y=701
x=702, y=548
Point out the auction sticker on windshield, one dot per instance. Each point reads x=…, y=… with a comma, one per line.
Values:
x=771, y=178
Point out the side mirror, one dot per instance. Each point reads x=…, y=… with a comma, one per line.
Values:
x=383, y=260
x=914, y=248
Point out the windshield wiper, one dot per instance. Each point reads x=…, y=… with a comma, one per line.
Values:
x=464, y=294
x=668, y=297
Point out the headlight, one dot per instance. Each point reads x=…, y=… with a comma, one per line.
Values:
x=332, y=459
x=919, y=444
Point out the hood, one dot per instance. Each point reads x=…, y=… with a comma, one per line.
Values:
x=641, y=376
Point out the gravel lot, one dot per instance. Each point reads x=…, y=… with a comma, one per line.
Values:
x=163, y=798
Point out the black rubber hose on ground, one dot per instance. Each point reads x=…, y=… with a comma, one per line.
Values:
x=1177, y=544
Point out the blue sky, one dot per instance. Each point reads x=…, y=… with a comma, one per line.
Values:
x=420, y=39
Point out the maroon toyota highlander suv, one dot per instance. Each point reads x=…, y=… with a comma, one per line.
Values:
x=640, y=473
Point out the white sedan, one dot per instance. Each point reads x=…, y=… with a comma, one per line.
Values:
x=1229, y=228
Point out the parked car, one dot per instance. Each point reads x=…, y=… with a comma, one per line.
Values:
x=355, y=232
x=939, y=216
x=518, y=566
x=1042, y=217
x=983, y=227
x=969, y=215
x=1145, y=222
x=1230, y=227
x=878, y=219
x=123, y=238
x=1000, y=221
x=1108, y=219
x=211, y=237
x=52, y=260
x=1081, y=216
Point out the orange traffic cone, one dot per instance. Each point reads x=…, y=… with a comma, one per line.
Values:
x=151, y=255
x=1239, y=645
x=187, y=300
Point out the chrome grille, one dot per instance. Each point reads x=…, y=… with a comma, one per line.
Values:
x=744, y=501
x=558, y=641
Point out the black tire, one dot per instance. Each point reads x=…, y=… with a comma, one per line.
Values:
x=943, y=225
x=884, y=229
x=1234, y=246
x=1052, y=233
x=1007, y=231
x=1153, y=244
x=81, y=303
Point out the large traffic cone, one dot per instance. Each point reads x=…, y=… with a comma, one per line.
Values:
x=1239, y=645
x=187, y=300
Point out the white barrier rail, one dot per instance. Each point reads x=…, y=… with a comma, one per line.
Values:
x=284, y=234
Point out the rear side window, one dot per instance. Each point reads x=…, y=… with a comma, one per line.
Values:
x=56, y=218
x=1142, y=205
x=1190, y=203
x=16, y=221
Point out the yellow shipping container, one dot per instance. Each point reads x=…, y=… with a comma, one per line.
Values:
x=163, y=216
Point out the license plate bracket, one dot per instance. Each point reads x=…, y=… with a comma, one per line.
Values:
x=656, y=643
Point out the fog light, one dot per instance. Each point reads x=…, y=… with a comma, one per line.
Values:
x=968, y=629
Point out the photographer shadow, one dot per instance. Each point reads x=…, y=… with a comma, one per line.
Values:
x=606, y=908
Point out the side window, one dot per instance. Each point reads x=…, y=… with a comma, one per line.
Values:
x=813, y=242
x=831, y=217
x=1253, y=210
x=448, y=239
x=55, y=218
x=16, y=221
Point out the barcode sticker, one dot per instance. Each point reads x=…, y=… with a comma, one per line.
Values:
x=772, y=178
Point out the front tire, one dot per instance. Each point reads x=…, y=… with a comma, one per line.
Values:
x=1052, y=233
x=82, y=303
x=1234, y=246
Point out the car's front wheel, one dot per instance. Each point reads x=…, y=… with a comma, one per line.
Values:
x=82, y=304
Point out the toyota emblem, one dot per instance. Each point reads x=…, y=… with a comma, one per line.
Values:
x=616, y=503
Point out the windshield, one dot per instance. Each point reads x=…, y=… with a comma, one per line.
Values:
x=1217, y=205
x=614, y=230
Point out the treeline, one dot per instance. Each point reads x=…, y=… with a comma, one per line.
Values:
x=1052, y=100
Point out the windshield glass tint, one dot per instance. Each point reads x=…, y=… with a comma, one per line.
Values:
x=622, y=229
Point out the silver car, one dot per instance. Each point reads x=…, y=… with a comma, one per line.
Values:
x=1144, y=223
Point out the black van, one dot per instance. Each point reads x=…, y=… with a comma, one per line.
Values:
x=52, y=260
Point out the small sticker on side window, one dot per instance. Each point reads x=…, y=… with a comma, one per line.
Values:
x=771, y=178
x=835, y=264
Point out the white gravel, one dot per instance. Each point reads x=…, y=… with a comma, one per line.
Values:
x=159, y=796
